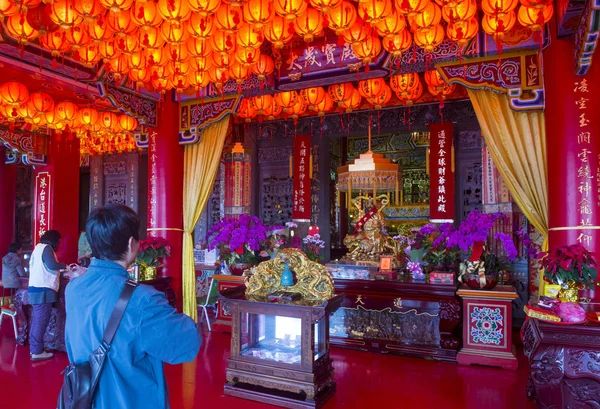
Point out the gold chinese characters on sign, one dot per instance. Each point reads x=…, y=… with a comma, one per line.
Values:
x=313, y=279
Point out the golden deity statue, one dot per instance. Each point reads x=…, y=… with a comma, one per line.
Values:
x=370, y=240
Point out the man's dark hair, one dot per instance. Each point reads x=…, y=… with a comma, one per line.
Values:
x=52, y=238
x=14, y=247
x=108, y=230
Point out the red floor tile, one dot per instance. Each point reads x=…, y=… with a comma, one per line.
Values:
x=364, y=380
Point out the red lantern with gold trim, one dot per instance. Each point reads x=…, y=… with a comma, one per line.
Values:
x=108, y=50
x=325, y=5
x=201, y=26
x=273, y=111
x=373, y=11
x=403, y=84
x=77, y=37
x=411, y=96
x=359, y=31
x=66, y=112
x=87, y=117
x=535, y=18
x=88, y=55
x=397, y=44
x=89, y=10
x=312, y=96
x=228, y=18
x=263, y=67
x=289, y=9
x=246, y=37
x=342, y=17
x=394, y=23
x=7, y=8
x=198, y=79
x=368, y=50
x=116, y=5
x=429, y=38
x=382, y=99
x=353, y=102
x=463, y=31
x=19, y=29
x=40, y=21
x=258, y=13
x=498, y=26
x=278, y=31
x=127, y=123
x=340, y=92
x=247, y=56
x=174, y=12
x=41, y=102
x=204, y=7
x=309, y=24
x=371, y=88
x=411, y=7
x=498, y=7
x=174, y=33
x=298, y=109
x=63, y=14
x=262, y=103
x=121, y=23
x=151, y=38
x=464, y=10
x=145, y=14
x=218, y=76
x=99, y=31
x=246, y=110
x=287, y=100
x=428, y=18
x=324, y=106
x=56, y=43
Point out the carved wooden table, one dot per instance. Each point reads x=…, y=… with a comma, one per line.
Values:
x=280, y=351
x=565, y=364
x=54, y=338
x=410, y=318
x=225, y=282
x=487, y=327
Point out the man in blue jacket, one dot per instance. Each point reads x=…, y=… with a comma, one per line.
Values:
x=151, y=331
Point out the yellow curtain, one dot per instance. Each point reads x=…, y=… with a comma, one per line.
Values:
x=201, y=163
x=517, y=145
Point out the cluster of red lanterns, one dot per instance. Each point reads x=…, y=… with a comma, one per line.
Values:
x=99, y=132
x=373, y=93
x=187, y=44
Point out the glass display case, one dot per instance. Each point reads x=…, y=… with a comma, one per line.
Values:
x=280, y=350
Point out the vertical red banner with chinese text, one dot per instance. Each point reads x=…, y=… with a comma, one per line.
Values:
x=152, y=182
x=42, y=215
x=302, y=188
x=441, y=173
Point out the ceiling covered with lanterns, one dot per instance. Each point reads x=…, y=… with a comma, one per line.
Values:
x=288, y=57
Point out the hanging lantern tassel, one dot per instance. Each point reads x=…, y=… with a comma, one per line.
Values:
x=310, y=167
x=291, y=166
x=397, y=189
x=427, y=161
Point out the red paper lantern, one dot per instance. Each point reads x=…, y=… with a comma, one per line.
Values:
x=498, y=7
x=312, y=96
x=228, y=18
x=174, y=12
x=290, y=9
x=201, y=26
x=382, y=99
x=340, y=92
x=464, y=10
x=342, y=17
x=371, y=88
x=430, y=38
x=99, y=31
x=309, y=24
x=41, y=102
x=263, y=67
x=262, y=103
x=397, y=44
x=223, y=43
x=121, y=23
x=247, y=56
x=204, y=7
x=324, y=106
x=353, y=102
x=89, y=10
x=151, y=38
x=463, y=31
x=7, y=8
x=404, y=84
x=373, y=11
x=394, y=23
x=246, y=110
x=127, y=123
x=410, y=97
x=19, y=29
x=199, y=47
x=39, y=19
x=535, y=18
x=87, y=117
x=62, y=13
x=411, y=7
x=246, y=37
x=359, y=31
x=368, y=50
x=498, y=26
x=145, y=14
x=428, y=18
x=278, y=32
x=287, y=100
x=116, y=5
x=258, y=13
x=174, y=33
x=88, y=55
x=325, y=5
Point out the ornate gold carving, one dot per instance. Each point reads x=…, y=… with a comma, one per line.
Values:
x=314, y=281
x=372, y=241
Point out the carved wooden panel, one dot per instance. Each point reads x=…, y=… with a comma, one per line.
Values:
x=23, y=210
x=415, y=184
x=276, y=197
x=116, y=193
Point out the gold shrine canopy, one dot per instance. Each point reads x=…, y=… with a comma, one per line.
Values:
x=370, y=171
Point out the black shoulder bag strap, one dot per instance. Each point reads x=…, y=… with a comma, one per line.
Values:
x=98, y=357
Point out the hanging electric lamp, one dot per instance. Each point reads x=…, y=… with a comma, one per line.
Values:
x=145, y=14
x=278, y=31
x=19, y=29
x=309, y=24
x=204, y=7
x=397, y=44
x=201, y=26
x=246, y=37
x=89, y=10
x=353, y=102
x=359, y=31
x=394, y=23
x=258, y=13
x=404, y=84
x=340, y=92
x=290, y=9
x=463, y=31
x=287, y=100
x=464, y=10
x=116, y=5
x=535, y=18
x=341, y=17
x=174, y=12
x=373, y=11
x=228, y=18
x=498, y=7
x=63, y=14
x=429, y=38
x=174, y=33
x=371, y=88
x=312, y=96
x=263, y=67
x=367, y=50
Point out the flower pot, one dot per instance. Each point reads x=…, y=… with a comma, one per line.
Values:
x=239, y=268
x=472, y=281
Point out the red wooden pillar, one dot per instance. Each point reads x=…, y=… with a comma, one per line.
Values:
x=573, y=146
x=165, y=190
x=8, y=182
x=63, y=195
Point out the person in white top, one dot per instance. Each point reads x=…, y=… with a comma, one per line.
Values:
x=44, y=280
